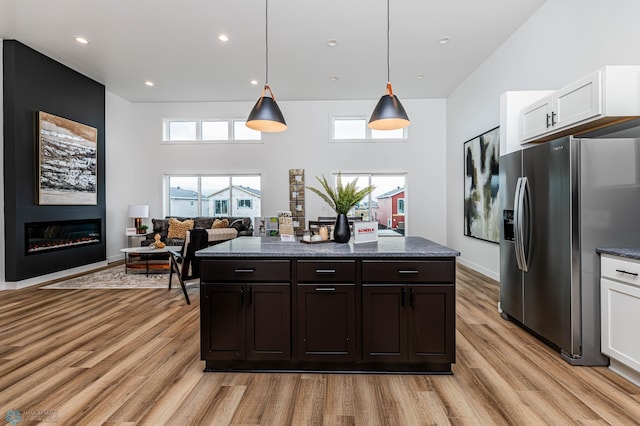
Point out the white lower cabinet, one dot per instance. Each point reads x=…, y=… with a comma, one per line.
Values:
x=620, y=315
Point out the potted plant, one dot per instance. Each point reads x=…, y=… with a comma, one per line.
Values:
x=143, y=229
x=341, y=199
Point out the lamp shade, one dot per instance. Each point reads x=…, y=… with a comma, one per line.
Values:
x=266, y=116
x=138, y=210
x=389, y=114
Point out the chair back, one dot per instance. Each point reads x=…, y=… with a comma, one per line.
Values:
x=198, y=239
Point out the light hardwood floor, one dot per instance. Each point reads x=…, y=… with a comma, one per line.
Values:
x=91, y=357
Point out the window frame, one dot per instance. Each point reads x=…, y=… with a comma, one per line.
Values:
x=200, y=210
x=368, y=132
x=166, y=131
x=370, y=198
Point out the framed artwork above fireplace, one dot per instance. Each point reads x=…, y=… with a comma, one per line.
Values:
x=67, y=162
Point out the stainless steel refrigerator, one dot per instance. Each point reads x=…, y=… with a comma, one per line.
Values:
x=560, y=200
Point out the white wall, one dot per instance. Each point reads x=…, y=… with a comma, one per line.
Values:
x=561, y=42
x=137, y=159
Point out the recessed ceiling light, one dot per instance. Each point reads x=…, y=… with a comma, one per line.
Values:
x=149, y=83
x=254, y=82
x=443, y=40
x=223, y=37
x=333, y=78
x=332, y=42
x=420, y=76
x=81, y=40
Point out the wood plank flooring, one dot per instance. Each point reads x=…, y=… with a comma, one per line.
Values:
x=89, y=357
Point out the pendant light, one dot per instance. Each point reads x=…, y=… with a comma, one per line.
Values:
x=265, y=115
x=389, y=114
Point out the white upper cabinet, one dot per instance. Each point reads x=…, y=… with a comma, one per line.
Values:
x=607, y=96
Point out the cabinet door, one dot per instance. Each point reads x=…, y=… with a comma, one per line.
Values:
x=431, y=323
x=268, y=322
x=384, y=323
x=535, y=119
x=222, y=321
x=576, y=102
x=620, y=318
x=326, y=323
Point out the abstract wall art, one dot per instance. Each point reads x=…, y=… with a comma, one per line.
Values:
x=67, y=162
x=481, y=201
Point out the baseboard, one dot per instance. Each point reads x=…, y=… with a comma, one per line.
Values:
x=17, y=285
x=484, y=271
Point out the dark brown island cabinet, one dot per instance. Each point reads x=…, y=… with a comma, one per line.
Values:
x=268, y=305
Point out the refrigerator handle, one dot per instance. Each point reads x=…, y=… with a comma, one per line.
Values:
x=526, y=245
x=519, y=217
x=517, y=223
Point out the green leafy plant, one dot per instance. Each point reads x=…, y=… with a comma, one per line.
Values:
x=143, y=228
x=344, y=197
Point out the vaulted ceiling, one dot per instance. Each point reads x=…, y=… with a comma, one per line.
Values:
x=175, y=45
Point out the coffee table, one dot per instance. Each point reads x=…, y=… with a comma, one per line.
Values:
x=138, y=258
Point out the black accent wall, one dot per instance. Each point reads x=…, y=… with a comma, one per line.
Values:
x=34, y=82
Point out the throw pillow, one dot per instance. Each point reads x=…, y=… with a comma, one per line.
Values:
x=160, y=226
x=238, y=225
x=220, y=223
x=179, y=229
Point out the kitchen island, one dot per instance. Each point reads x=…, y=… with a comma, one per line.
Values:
x=382, y=306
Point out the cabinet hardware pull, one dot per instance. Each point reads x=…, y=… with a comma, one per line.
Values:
x=325, y=289
x=244, y=271
x=401, y=271
x=635, y=274
x=241, y=296
x=411, y=298
x=402, y=296
x=553, y=118
x=250, y=296
x=548, y=117
x=325, y=271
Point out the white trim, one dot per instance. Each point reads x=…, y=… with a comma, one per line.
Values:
x=481, y=269
x=17, y=285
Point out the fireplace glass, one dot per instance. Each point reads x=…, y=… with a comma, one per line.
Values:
x=44, y=237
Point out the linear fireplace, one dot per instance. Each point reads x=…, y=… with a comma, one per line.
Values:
x=44, y=237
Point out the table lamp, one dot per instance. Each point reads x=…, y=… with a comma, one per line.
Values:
x=138, y=211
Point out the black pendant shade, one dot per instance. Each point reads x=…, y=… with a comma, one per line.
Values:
x=389, y=114
x=265, y=115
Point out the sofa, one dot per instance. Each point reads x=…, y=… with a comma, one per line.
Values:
x=242, y=225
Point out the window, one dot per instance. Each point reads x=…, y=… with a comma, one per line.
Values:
x=222, y=207
x=355, y=128
x=244, y=203
x=215, y=130
x=208, y=130
x=182, y=131
x=385, y=205
x=191, y=196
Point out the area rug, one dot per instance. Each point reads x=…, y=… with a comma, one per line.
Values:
x=116, y=278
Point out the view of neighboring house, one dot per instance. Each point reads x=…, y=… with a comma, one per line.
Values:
x=184, y=203
x=390, y=209
x=244, y=201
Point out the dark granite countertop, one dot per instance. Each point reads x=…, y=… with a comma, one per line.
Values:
x=273, y=247
x=629, y=252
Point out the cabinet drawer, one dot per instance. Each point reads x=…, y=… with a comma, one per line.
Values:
x=424, y=271
x=245, y=270
x=625, y=270
x=326, y=271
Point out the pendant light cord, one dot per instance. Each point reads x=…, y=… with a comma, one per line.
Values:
x=266, y=42
x=388, y=25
